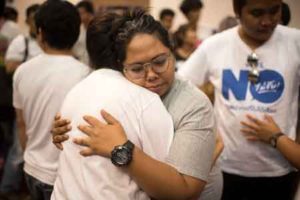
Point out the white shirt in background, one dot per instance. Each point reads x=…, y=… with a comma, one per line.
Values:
x=40, y=86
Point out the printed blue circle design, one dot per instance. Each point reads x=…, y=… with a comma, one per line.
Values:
x=269, y=87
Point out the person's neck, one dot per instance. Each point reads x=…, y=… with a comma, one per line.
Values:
x=249, y=41
x=51, y=51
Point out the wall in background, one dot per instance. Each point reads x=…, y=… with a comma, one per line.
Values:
x=213, y=12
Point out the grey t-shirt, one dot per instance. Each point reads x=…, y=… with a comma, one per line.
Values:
x=194, y=141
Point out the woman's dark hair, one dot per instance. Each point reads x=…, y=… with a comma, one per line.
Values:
x=238, y=6
x=109, y=35
x=179, y=35
x=135, y=22
x=59, y=22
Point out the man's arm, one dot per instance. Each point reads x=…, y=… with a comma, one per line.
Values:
x=21, y=128
x=263, y=130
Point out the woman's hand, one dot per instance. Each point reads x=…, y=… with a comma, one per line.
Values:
x=256, y=129
x=59, y=128
x=101, y=137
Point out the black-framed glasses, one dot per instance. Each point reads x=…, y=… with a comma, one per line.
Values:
x=159, y=65
x=252, y=61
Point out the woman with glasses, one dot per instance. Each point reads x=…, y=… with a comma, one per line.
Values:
x=144, y=53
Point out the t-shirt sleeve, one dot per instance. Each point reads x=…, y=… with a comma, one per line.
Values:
x=192, y=149
x=156, y=130
x=17, y=100
x=16, y=49
x=196, y=68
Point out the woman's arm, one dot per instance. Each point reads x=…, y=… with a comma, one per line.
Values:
x=264, y=129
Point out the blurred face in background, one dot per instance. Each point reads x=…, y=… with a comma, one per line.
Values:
x=190, y=37
x=85, y=16
x=167, y=21
x=193, y=16
x=259, y=18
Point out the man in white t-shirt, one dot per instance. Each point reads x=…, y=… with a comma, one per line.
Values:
x=23, y=47
x=40, y=85
x=263, y=83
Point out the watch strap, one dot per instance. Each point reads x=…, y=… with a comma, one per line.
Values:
x=274, y=138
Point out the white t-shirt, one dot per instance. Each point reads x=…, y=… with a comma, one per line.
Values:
x=222, y=60
x=40, y=86
x=16, y=49
x=145, y=120
x=9, y=30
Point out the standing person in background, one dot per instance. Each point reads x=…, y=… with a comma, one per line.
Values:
x=21, y=49
x=86, y=12
x=39, y=87
x=192, y=11
x=185, y=39
x=166, y=18
x=255, y=69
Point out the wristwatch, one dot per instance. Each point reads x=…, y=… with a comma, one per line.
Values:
x=122, y=155
x=274, y=138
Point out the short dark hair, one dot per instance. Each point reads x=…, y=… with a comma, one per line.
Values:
x=100, y=41
x=189, y=5
x=87, y=6
x=10, y=13
x=59, y=22
x=285, y=14
x=166, y=12
x=109, y=35
x=32, y=9
x=238, y=6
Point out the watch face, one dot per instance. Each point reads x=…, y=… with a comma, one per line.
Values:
x=120, y=156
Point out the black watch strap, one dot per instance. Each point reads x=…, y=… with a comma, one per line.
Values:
x=129, y=145
x=274, y=138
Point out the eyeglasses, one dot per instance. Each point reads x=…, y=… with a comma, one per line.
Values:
x=253, y=75
x=159, y=65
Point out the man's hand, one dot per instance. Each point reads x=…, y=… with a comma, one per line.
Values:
x=101, y=137
x=256, y=129
x=59, y=128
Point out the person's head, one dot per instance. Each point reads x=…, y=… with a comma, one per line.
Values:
x=86, y=11
x=185, y=35
x=10, y=14
x=129, y=41
x=258, y=18
x=227, y=23
x=58, y=24
x=30, y=13
x=285, y=14
x=191, y=9
x=166, y=18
